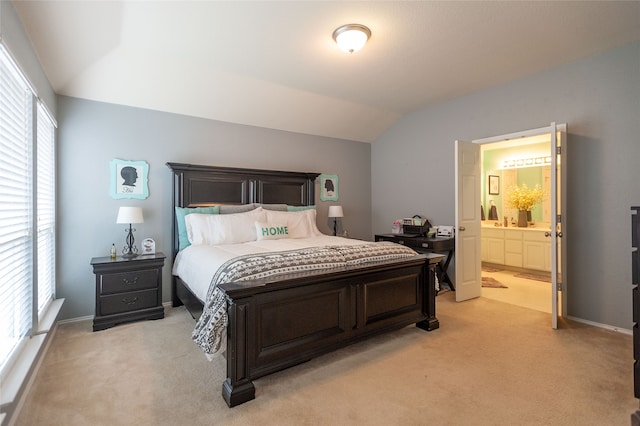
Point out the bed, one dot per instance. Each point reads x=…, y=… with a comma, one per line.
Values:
x=277, y=322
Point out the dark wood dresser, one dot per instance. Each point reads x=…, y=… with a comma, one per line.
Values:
x=635, y=272
x=127, y=289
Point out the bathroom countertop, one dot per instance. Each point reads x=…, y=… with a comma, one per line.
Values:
x=498, y=225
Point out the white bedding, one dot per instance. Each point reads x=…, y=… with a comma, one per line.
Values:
x=197, y=264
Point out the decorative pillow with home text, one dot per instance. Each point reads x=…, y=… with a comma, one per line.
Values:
x=271, y=231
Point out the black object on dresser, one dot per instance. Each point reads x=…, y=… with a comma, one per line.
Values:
x=127, y=289
x=427, y=245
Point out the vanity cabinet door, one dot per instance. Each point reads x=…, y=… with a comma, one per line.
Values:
x=495, y=251
x=493, y=243
x=537, y=251
x=484, y=249
x=513, y=248
x=534, y=257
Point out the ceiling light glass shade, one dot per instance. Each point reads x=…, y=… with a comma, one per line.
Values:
x=352, y=37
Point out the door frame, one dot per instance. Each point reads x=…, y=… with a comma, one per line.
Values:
x=562, y=128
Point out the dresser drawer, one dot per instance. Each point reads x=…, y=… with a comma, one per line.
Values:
x=125, y=302
x=405, y=241
x=437, y=244
x=441, y=244
x=129, y=281
x=408, y=241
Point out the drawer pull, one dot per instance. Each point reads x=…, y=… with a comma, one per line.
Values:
x=130, y=282
x=131, y=301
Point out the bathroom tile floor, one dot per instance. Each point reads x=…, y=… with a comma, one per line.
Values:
x=532, y=294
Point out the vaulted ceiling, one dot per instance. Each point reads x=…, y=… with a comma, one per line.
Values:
x=274, y=64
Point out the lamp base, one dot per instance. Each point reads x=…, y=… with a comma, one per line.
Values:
x=129, y=250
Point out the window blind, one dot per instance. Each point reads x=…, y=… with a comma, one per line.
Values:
x=45, y=208
x=16, y=208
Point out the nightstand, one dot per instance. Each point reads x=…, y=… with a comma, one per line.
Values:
x=127, y=289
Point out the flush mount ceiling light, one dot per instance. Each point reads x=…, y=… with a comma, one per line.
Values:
x=351, y=37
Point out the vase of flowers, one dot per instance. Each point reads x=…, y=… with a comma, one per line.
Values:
x=523, y=221
x=524, y=199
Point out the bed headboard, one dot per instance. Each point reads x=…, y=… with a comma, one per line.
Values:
x=196, y=185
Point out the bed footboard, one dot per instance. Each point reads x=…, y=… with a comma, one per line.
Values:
x=277, y=325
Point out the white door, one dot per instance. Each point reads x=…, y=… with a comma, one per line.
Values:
x=558, y=203
x=467, y=239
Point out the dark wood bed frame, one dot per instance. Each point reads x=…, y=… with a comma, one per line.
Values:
x=277, y=323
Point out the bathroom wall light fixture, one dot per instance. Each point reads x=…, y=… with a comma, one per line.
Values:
x=351, y=37
x=526, y=162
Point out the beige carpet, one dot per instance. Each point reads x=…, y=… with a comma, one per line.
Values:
x=490, y=363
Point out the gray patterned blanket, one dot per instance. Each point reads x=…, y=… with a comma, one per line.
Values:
x=210, y=330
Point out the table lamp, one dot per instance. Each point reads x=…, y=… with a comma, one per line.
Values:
x=130, y=215
x=335, y=212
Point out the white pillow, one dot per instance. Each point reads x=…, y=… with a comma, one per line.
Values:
x=300, y=224
x=234, y=228
x=271, y=231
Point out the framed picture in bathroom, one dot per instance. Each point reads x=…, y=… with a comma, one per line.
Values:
x=494, y=185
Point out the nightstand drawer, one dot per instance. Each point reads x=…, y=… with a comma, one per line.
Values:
x=131, y=301
x=129, y=281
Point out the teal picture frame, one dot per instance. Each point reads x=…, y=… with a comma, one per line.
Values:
x=129, y=179
x=328, y=187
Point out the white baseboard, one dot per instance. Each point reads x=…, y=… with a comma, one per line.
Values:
x=600, y=325
x=77, y=319
x=90, y=317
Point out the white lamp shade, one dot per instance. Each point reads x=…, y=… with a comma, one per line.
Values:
x=335, y=211
x=130, y=215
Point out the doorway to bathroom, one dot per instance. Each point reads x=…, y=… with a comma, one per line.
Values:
x=515, y=253
x=515, y=172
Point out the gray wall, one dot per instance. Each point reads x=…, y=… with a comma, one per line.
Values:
x=91, y=134
x=599, y=99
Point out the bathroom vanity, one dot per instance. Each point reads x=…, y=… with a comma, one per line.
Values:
x=519, y=248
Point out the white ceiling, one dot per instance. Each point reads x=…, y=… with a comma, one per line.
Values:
x=274, y=64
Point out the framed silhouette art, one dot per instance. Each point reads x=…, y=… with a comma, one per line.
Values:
x=129, y=179
x=328, y=188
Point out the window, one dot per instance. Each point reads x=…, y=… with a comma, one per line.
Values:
x=27, y=210
x=46, y=209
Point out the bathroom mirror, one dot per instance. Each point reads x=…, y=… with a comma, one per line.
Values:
x=505, y=167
